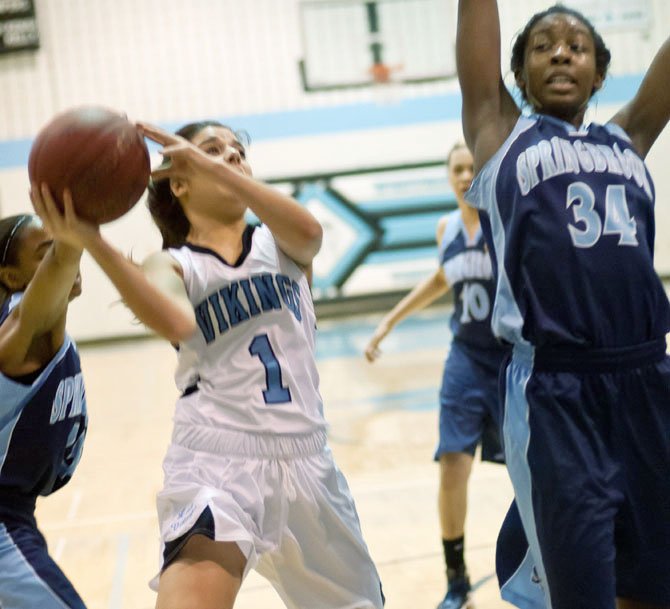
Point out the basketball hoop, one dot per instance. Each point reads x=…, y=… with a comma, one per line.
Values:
x=386, y=86
x=382, y=74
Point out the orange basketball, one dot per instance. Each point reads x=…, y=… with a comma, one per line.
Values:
x=99, y=155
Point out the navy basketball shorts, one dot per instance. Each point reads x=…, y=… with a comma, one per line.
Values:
x=469, y=406
x=587, y=444
x=517, y=577
x=29, y=578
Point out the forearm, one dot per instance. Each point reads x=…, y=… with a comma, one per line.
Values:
x=478, y=47
x=422, y=295
x=489, y=112
x=645, y=117
x=46, y=297
x=156, y=309
x=297, y=232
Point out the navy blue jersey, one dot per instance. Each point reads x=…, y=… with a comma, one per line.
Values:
x=572, y=222
x=42, y=427
x=467, y=268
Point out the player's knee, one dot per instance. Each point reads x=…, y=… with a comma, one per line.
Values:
x=454, y=469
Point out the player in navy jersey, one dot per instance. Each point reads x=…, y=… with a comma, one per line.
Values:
x=587, y=392
x=42, y=405
x=469, y=405
x=250, y=481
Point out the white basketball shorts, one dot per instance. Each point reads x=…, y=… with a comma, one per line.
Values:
x=285, y=503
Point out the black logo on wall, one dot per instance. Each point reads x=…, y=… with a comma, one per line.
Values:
x=18, y=26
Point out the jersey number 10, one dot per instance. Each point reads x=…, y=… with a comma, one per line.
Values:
x=476, y=302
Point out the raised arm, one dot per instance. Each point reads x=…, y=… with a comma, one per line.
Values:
x=46, y=298
x=43, y=308
x=155, y=293
x=296, y=231
x=489, y=112
x=647, y=114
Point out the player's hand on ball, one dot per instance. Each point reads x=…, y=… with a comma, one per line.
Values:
x=63, y=226
x=97, y=154
x=181, y=157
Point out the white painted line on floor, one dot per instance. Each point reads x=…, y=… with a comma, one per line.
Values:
x=116, y=596
x=58, y=550
x=74, y=506
x=100, y=520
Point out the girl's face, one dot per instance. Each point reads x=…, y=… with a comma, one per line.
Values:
x=222, y=144
x=461, y=170
x=31, y=247
x=559, y=74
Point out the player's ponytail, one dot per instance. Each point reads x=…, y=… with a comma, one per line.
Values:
x=167, y=214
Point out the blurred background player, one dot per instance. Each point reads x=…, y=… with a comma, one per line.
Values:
x=42, y=407
x=249, y=478
x=587, y=393
x=469, y=405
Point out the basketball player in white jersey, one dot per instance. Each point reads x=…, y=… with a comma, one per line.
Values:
x=249, y=479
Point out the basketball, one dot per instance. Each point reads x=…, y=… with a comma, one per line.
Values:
x=99, y=155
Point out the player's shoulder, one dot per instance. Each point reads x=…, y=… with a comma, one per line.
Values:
x=163, y=259
x=262, y=236
x=614, y=129
x=447, y=224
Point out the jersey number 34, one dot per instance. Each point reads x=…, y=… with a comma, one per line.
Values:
x=618, y=220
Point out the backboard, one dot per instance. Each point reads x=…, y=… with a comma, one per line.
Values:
x=356, y=43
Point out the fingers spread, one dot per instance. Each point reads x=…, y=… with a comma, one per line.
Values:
x=68, y=204
x=157, y=134
x=46, y=207
x=36, y=198
x=160, y=174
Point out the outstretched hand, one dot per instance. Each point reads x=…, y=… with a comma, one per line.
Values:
x=372, y=351
x=63, y=226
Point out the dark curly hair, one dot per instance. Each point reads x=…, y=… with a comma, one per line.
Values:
x=165, y=208
x=603, y=55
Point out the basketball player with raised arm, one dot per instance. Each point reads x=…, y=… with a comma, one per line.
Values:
x=250, y=481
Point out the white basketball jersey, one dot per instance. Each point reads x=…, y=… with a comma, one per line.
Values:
x=250, y=366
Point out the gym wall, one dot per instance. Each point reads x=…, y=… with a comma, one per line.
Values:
x=170, y=62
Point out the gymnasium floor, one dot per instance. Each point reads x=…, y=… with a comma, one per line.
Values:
x=102, y=527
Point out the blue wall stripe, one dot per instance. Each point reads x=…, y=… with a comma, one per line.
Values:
x=440, y=201
x=402, y=255
x=337, y=119
x=399, y=230
x=14, y=153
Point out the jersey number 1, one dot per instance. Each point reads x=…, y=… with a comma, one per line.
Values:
x=275, y=393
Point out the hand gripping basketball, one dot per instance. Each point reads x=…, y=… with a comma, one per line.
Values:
x=98, y=155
